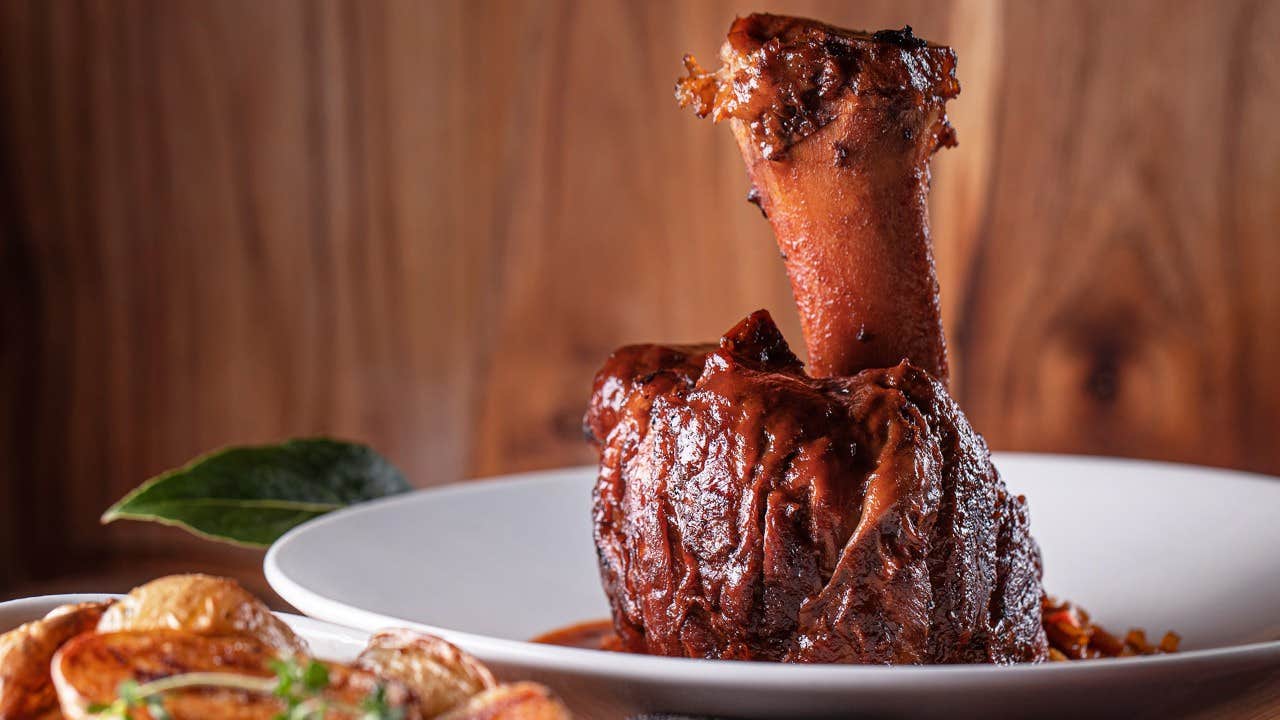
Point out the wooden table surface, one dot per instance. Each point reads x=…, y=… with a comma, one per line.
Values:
x=424, y=224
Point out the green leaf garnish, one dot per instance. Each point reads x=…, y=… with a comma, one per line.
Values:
x=285, y=671
x=316, y=676
x=252, y=495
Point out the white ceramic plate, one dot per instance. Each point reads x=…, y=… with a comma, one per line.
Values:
x=327, y=641
x=490, y=564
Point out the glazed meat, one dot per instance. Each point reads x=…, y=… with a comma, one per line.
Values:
x=836, y=128
x=745, y=510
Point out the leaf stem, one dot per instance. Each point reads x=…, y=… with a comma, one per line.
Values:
x=248, y=683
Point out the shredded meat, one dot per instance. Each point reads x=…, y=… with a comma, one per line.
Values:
x=745, y=510
x=748, y=509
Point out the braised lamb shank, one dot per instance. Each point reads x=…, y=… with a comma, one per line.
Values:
x=746, y=509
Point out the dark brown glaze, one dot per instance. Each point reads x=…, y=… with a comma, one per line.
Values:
x=745, y=510
x=837, y=128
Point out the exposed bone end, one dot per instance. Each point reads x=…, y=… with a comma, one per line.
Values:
x=836, y=128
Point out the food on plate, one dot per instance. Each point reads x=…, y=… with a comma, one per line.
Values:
x=747, y=508
x=239, y=676
x=1074, y=636
x=441, y=675
x=200, y=604
x=193, y=646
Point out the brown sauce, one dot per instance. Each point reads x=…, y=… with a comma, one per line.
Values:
x=1069, y=630
x=592, y=635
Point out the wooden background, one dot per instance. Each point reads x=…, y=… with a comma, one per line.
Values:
x=424, y=224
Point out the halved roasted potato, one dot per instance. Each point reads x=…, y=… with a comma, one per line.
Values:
x=204, y=605
x=439, y=674
x=91, y=668
x=26, y=689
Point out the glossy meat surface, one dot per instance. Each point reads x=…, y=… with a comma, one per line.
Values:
x=836, y=128
x=745, y=510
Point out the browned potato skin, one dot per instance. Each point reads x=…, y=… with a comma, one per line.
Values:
x=26, y=690
x=204, y=605
x=79, y=655
x=90, y=668
x=438, y=673
x=517, y=701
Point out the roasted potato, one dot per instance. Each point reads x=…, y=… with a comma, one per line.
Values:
x=90, y=668
x=203, y=605
x=441, y=675
x=26, y=689
x=79, y=655
x=517, y=701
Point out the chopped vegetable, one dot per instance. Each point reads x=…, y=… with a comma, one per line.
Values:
x=1073, y=636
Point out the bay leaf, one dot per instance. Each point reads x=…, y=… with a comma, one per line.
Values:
x=251, y=495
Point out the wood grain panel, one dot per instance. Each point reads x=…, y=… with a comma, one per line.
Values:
x=424, y=224
x=1116, y=296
